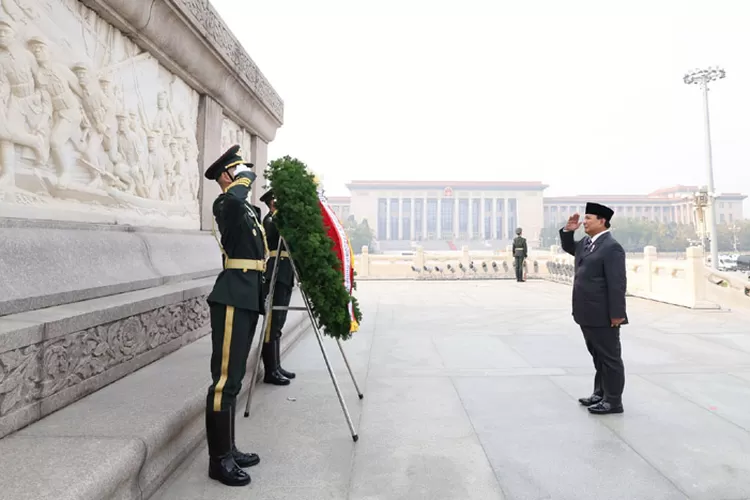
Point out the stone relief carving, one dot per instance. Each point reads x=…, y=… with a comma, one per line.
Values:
x=208, y=21
x=231, y=133
x=38, y=371
x=88, y=118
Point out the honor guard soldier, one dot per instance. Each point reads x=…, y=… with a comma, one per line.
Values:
x=520, y=252
x=235, y=303
x=282, y=296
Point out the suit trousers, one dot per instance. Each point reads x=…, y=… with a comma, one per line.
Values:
x=604, y=346
x=282, y=296
x=519, y=268
x=232, y=332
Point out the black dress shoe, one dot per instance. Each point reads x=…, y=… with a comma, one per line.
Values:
x=605, y=408
x=591, y=400
x=277, y=352
x=275, y=378
x=245, y=460
x=221, y=464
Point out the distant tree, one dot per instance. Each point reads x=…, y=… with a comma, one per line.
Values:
x=359, y=233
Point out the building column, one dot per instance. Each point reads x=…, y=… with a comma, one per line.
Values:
x=424, y=217
x=482, y=214
x=411, y=219
x=400, y=218
x=493, y=219
x=470, y=225
x=455, y=218
x=506, y=218
x=210, y=118
x=388, y=218
x=439, y=219
x=259, y=158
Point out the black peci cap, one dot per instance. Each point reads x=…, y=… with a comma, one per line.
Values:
x=599, y=210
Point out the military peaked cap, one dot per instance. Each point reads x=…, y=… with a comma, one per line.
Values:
x=267, y=197
x=599, y=210
x=231, y=158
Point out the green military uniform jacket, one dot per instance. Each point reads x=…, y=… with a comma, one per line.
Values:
x=520, y=249
x=244, y=249
x=285, y=274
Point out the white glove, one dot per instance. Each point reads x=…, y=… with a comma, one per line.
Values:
x=241, y=168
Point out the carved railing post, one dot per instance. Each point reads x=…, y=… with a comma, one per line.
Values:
x=364, y=262
x=695, y=274
x=649, y=258
x=419, y=258
x=465, y=257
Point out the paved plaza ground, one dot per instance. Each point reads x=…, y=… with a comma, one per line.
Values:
x=470, y=393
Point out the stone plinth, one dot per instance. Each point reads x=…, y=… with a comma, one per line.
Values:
x=111, y=112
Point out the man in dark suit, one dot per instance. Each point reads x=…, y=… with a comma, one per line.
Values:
x=520, y=252
x=235, y=303
x=599, y=289
x=282, y=296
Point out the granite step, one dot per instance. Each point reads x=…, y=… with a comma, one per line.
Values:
x=124, y=440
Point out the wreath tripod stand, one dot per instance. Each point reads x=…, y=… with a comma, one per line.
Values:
x=307, y=307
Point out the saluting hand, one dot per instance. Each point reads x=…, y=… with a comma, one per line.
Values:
x=573, y=223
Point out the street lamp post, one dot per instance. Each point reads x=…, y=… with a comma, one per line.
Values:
x=702, y=77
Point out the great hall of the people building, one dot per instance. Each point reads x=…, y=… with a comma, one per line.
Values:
x=463, y=212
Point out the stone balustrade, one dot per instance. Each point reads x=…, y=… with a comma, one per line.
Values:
x=684, y=282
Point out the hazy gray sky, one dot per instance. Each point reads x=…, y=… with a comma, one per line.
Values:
x=586, y=96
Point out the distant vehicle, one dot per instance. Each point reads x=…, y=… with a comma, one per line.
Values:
x=743, y=263
x=727, y=263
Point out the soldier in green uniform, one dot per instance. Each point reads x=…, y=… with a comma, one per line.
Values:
x=520, y=252
x=282, y=295
x=235, y=303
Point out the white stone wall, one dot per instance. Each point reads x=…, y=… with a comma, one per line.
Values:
x=232, y=134
x=94, y=129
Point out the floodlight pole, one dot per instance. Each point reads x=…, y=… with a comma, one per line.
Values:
x=702, y=77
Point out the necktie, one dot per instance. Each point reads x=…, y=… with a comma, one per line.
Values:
x=587, y=245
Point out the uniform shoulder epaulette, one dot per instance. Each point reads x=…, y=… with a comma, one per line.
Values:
x=244, y=181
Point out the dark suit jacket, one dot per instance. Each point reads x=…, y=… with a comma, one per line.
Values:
x=241, y=238
x=600, y=280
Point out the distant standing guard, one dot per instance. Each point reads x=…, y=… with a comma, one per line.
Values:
x=282, y=296
x=599, y=287
x=235, y=303
x=520, y=252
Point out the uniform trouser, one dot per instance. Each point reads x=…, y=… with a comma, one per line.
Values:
x=606, y=351
x=232, y=332
x=282, y=296
x=519, y=268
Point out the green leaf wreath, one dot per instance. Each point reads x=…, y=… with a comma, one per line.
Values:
x=300, y=223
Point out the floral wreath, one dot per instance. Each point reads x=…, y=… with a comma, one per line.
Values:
x=300, y=222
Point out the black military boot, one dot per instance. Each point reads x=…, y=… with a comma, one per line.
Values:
x=243, y=459
x=271, y=369
x=277, y=350
x=221, y=464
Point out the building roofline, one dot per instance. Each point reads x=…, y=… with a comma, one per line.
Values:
x=373, y=184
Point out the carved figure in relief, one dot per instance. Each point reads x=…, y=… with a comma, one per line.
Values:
x=177, y=170
x=110, y=105
x=155, y=173
x=20, y=99
x=61, y=84
x=191, y=165
x=164, y=120
x=93, y=103
x=127, y=140
x=72, y=118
